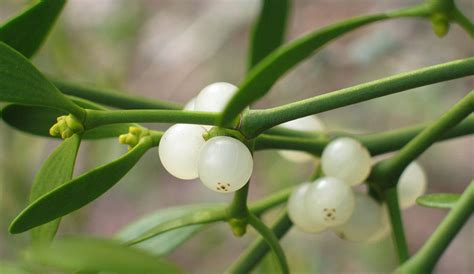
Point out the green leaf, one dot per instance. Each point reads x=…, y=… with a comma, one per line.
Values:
x=13, y=268
x=22, y=83
x=269, y=29
x=438, y=200
x=27, y=31
x=56, y=170
x=93, y=254
x=261, y=78
x=192, y=217
x=168, y=241
x=78, y=192
x=38, y=120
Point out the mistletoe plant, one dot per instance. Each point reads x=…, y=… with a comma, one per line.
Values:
x=215, y=137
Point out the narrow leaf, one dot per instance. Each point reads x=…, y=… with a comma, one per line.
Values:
x=93, y=254
x=168, y=241
x=78, y=192
x=261, y=78
x=56, y=170
x=27, y=31
x=269, y=29
x=22, y=83
x=38, y=120
x=438, y=200
x=193, y=217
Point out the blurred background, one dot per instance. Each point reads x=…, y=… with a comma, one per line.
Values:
x=171, y=49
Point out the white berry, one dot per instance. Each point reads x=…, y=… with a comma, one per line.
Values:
x=411, y=185
x=366, y=220
x=190, y=104
x=225, y=164
x=308, y=123
x=297, y=211
x=346, y=159
x=179, y=150
x=214, y=97
x=384, y=229
x=329, y=201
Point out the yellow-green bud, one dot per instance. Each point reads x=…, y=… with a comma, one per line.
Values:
x=123, y=139
x=133, y=137
x=66, y=126
x=135, y=130
x=238, y=227
x=131, y=140
x=440, y=24
x=66, y=133
x=74, y=124
x=54, y=131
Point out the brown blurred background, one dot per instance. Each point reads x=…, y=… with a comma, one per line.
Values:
x=171, y=49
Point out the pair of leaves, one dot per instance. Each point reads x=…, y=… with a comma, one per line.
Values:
x=438, y=200
x=264, y=75
x=93, y=254
x=79, y=192
x=27, y=31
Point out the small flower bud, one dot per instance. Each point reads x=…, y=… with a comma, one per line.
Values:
x=123, y=139
x=131, y=140
x=440, y=24
x=135, y=130
x=74, y=124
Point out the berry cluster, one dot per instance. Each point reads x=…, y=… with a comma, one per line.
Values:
x=222, y=163
x=330, y=202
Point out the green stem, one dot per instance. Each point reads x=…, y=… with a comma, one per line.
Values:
x=376, y=143
x=259, y=248
x=388, y=171
x=311, y=145
x=258, y=121
x=388, y=141
x=464, y=22
x=398, y=233
x=277, y=198
x=272, y=241
x=219, y=213
x=281, y=131
x=113, y=98
x=426, y=258
x=96, y=118
x=267, y=72
x=237, y=212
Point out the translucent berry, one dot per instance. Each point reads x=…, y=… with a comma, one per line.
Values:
x=411, y=185
x=329, y=201
x=190, y=105
x=346, y=159
x=365, y=221
x=308, y=123
x=179, y=150
x=225, y=164
x=214, y=97
x=384, y=229
x=297, y=211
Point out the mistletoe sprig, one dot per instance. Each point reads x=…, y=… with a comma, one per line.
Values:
x=214, y=140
